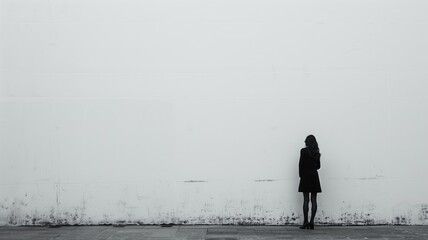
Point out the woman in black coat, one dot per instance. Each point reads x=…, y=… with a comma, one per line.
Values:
x=309, y=163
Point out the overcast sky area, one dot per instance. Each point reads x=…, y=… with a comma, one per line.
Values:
x=213, y=90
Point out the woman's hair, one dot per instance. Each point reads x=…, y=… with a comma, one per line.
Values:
x=311, y=143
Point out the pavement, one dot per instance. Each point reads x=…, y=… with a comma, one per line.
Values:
x=212, y=232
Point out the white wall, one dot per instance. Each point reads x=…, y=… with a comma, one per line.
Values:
x=195, y=111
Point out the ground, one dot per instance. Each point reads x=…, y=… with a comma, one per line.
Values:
x=210, y=232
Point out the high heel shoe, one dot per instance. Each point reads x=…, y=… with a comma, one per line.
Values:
x=305, y=225
x=311, y=225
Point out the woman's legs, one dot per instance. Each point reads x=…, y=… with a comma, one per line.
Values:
x=314, y=206
x=305, y=206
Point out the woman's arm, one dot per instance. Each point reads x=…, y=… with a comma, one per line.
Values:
x=300, y=163
x=318, y=162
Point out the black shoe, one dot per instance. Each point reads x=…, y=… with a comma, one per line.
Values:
x=305, y=225
x=311, y=225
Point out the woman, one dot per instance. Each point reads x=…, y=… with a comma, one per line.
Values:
x=309, y=163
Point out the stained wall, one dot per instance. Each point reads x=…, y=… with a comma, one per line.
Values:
x=194, y=112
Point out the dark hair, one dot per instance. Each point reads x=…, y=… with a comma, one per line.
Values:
x=312, y=145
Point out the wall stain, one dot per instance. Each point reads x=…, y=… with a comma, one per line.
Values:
x=423, y=213
x=401, y=220
x=366, y=178
x=69, y=219
x=194, y=181
x=352, y=218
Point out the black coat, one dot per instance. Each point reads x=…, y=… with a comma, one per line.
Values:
x=308, y=166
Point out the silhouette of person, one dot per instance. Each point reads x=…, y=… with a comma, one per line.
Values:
x=309, y=163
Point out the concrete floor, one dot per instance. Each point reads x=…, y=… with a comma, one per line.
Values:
x=213, y=232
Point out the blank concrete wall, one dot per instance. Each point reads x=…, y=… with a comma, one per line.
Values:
x=195, y=111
